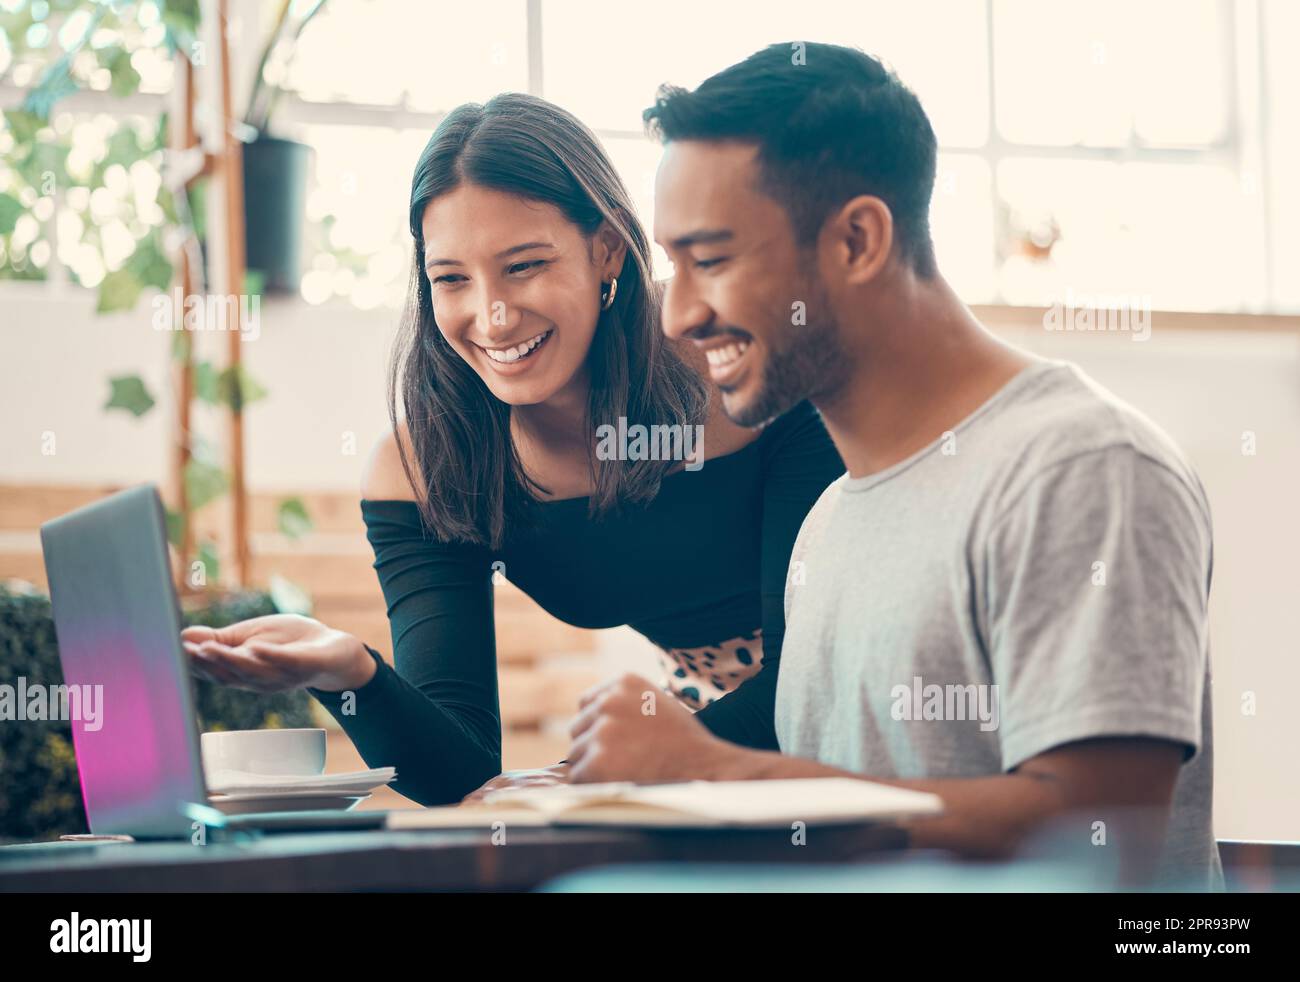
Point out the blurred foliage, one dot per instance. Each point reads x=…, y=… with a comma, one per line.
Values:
x=40, y=795
x=100, y=180
x=293, y=519
x=99, y=177
x=129, y=393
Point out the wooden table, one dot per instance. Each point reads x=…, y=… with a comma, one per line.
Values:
x=441, y=860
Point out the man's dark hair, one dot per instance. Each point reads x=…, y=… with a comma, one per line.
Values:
x=830, y=123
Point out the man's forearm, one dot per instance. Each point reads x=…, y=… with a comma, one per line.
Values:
x=983, y=817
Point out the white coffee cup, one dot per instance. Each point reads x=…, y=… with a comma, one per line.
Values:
x=277, y=752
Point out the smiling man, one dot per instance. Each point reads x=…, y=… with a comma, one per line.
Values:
x=1008, y=534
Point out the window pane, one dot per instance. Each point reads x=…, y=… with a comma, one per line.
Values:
x=1174, y=233
x=1281, y=23
x=940, y=50
x=608, y=82
x=1090, y=74
x=359, y=245
x=961, y=221
x=636, y=160
x=1181, y=83
x=432, y=55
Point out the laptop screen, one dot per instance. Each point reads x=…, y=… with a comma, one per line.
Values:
x=129, y=687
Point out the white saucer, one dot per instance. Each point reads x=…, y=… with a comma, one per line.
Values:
x=317, y=788
x=289, y=801
x=356, y=782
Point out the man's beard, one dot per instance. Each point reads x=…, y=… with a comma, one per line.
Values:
x=810, y=361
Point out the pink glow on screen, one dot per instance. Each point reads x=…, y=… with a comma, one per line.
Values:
x=140, y=749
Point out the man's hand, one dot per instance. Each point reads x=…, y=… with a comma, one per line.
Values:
x=632, y=730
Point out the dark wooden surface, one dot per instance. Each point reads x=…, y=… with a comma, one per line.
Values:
x=444, y=860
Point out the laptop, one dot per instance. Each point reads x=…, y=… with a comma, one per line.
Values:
x=118, y=625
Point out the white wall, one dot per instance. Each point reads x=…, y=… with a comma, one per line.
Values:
x=325, y=368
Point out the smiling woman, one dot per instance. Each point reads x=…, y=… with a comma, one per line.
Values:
x=523, y=227
x=533, y=328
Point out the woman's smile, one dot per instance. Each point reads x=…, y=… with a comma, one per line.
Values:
x=516, y=358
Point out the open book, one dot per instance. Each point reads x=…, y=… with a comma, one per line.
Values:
x=697, y=804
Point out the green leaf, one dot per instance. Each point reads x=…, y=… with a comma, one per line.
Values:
x=197, y=197
x=254, y=282
x=129, y=393
x=175, y=527
x=119, y=291
x=207, y=383
x=204, y=482
x=252, y=389
x=123, y=147
x=211, y=564
x=55, y=84
x=181, y=18
x=125, y=80
x=289, y=597
x=168, y=205
x=238, y=388
x=149, y=263
x=10, y=209
x=158, y=138
x=23, y=125
x=44, y=157
x=293, y=518
x=182, y=345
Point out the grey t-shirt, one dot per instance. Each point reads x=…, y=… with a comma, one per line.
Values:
x=1038, y=575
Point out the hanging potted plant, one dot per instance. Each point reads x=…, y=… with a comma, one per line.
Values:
x=275, y=168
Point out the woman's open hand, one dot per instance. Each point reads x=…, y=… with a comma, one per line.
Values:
x=278, y=652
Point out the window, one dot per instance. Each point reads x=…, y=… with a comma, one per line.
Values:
x=1101, y=147
x=1104, y=147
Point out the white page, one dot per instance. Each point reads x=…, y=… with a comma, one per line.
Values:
x=788, y=800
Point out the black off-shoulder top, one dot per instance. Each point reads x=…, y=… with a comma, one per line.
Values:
x=700, y=571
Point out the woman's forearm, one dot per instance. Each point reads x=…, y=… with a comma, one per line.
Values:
x=441, y=753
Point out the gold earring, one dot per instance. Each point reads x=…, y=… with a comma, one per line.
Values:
x=607, y=298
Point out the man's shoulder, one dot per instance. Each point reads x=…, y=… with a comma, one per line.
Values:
x=818, y=517
x=1065, y=420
